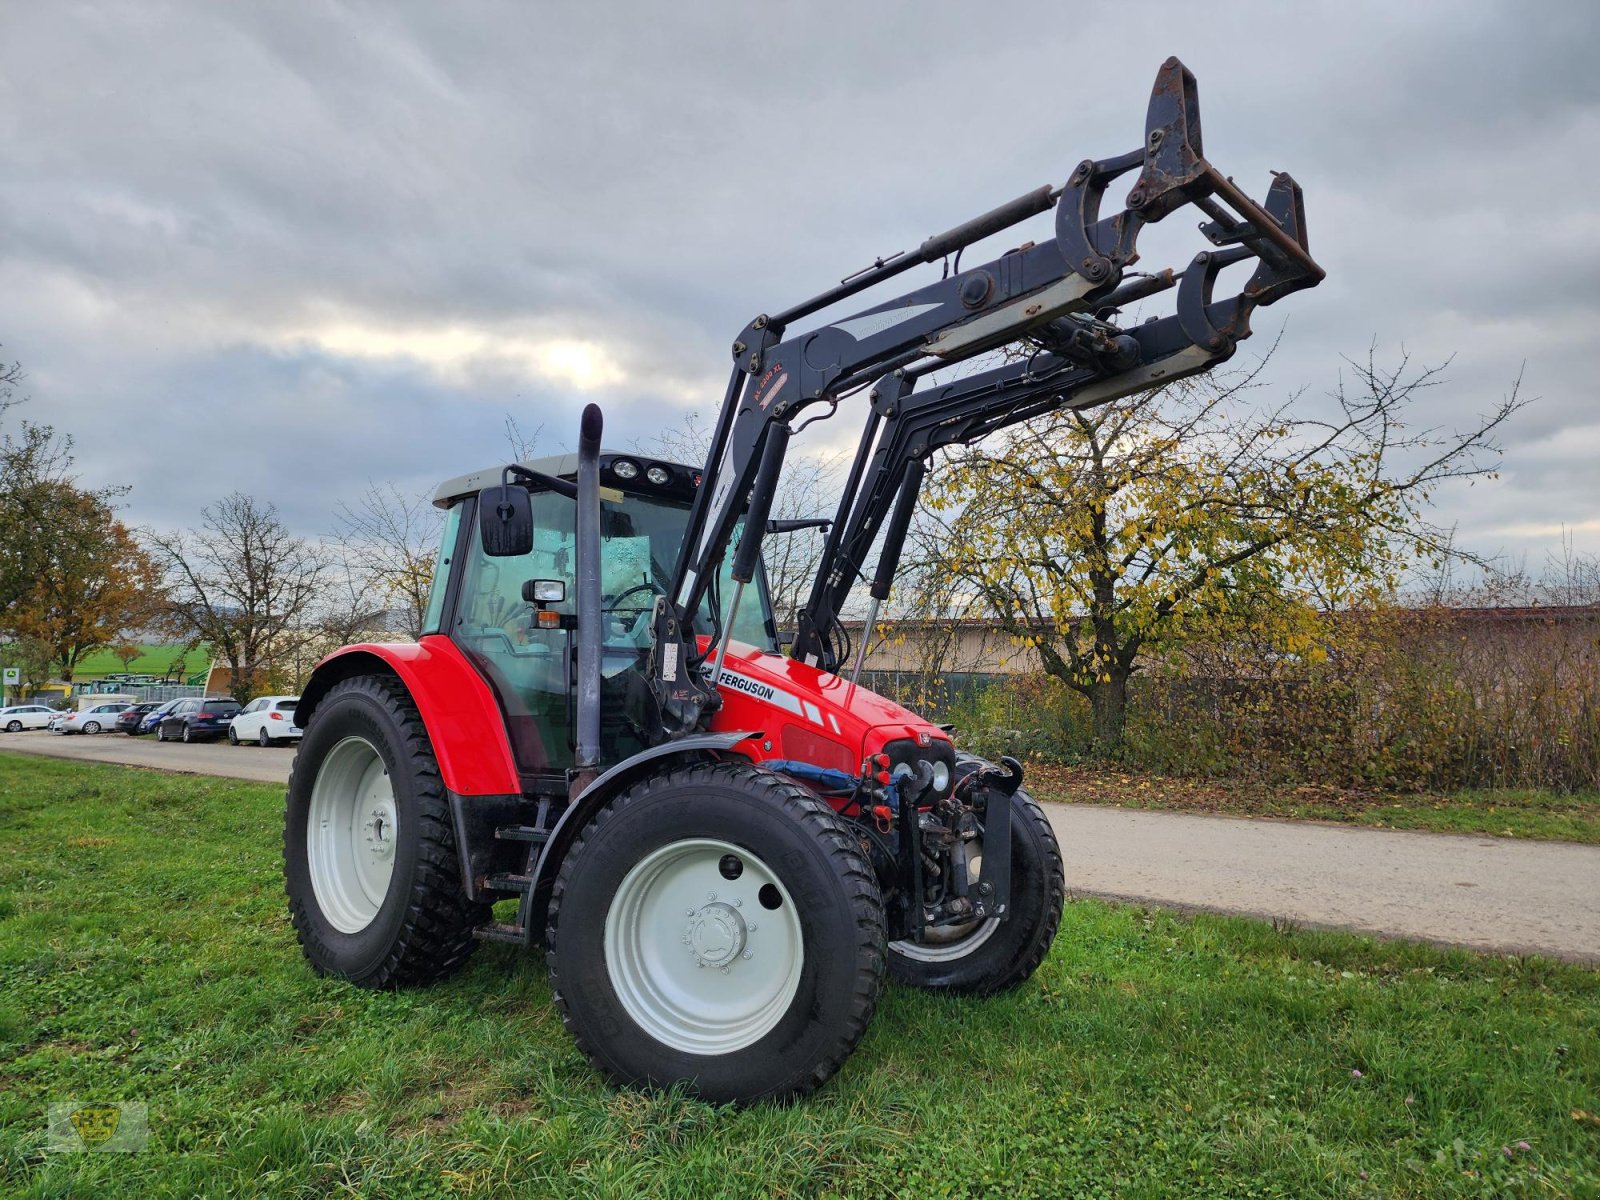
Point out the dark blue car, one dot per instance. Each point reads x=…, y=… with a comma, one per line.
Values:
x=197, y=720
x=152, y=719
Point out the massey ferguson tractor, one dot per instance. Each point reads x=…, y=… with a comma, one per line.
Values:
x=721, y=840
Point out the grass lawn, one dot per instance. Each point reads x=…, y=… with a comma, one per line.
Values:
x=1501, y=812
x=145, y=954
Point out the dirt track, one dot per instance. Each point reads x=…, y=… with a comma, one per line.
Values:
x=1486, y=893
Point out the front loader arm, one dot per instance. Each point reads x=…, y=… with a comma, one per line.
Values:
x=1092, y=362
x=1026, y=292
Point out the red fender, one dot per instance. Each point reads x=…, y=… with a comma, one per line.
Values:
x=463, y=720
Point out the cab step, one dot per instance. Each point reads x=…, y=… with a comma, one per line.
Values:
x=522, y=833
x=499, y=931
x=519, y=885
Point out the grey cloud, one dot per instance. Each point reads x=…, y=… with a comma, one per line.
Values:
x=185, y=183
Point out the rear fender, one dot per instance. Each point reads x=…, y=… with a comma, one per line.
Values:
x=689, y=749
x=457, y=708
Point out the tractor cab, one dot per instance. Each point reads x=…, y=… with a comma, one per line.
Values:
x=523, y=645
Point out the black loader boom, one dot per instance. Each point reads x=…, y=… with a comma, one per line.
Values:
x=1077, y=361
x=1057, y=296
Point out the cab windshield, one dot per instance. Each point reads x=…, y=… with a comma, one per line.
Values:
x=529, y=667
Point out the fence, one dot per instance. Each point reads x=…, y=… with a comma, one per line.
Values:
x=147, y=692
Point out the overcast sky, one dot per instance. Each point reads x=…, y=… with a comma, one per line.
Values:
x=288, y=248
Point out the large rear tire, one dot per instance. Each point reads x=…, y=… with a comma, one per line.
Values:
x=990, y=956
x=369, y=852
x=716, y=925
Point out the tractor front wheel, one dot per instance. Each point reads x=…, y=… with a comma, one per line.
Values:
x=369, y=852
x=716, y=925
x=987, y=956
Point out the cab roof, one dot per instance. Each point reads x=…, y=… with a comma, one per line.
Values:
x=682, y=480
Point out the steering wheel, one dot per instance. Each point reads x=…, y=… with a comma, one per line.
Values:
x=612, y=603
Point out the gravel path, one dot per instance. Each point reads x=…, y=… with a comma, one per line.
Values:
x=1486, y=893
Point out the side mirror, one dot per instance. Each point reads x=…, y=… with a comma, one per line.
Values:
x=505, y=521
x=544, y=591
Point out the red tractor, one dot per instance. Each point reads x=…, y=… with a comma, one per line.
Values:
x=724, y=847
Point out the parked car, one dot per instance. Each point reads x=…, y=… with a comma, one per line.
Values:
x=92, y=719
x=153, y=718
x=265, y=720
x=131, y=720
x=197, y=720
x=25, y=716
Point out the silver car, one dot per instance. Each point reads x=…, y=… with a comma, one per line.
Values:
x=92, y=720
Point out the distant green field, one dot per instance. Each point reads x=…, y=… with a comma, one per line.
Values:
x=153, y=660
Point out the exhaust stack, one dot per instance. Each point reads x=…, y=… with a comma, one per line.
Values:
x=587, y=537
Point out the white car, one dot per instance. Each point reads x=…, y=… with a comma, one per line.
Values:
x=25, y=716
x=92, y=720
x=265, y=720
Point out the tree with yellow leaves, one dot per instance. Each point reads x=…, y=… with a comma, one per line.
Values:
x=1099, y=537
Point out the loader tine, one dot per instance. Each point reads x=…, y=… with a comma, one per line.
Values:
x=1286, y=205
x=1175, y=167
x=1173, y=172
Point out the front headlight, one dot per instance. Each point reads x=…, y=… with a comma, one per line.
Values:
x=941, y=777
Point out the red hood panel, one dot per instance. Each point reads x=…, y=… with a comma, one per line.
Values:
x=810, y=710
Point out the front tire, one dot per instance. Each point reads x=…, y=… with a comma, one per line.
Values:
x=370, y=862
x=233, y=738
x=13, y=726
x=991, y=956
x=716, y=925
x=91, y=726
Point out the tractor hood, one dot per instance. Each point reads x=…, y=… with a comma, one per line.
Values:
x=812, y=715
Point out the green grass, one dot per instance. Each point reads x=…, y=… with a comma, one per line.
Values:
x=1498, y=812
x=145, y=954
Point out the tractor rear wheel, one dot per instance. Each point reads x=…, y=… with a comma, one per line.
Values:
x=369, y=852
x=988, y=956
x=716, y=925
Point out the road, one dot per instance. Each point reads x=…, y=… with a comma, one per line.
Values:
x=1485, y=893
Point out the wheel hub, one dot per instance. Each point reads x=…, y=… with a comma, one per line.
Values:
x=717, y=934
x=379, y=831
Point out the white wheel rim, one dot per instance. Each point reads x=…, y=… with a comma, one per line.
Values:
x=352, y=831
x=948, y=943
x=701, y=962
